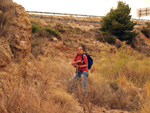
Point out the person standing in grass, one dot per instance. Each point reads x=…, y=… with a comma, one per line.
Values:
x=80, y=62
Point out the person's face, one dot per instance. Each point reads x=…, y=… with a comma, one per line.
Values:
x=79, y=51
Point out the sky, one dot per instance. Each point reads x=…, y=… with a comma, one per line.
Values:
x=87, y=7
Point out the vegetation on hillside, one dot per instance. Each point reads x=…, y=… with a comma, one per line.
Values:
x=116, y=81
x=117, y=22
x=107, y=38
x=146, y=30
x=45, y=31
x=119, y=78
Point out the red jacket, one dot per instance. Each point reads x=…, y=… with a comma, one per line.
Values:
x=85, y=61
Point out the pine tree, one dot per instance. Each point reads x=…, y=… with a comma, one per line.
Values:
x=118, y=22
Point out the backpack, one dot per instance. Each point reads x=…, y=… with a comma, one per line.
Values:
x=90, y=60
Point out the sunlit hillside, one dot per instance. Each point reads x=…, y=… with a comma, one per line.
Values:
x=119, y=78
x=36, y=67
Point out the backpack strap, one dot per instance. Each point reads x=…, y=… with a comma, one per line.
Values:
x=82, y=58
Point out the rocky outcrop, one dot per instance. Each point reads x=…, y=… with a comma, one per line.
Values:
x=15, y=35
x=5, y=52
x=15, y=32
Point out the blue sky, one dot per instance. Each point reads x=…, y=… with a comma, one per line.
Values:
x=89, y=7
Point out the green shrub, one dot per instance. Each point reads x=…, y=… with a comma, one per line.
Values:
x=35, y=28
x=45, y=32
x=146, y=31
x=118, y=22
x=53, y=32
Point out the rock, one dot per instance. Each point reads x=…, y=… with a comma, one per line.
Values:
x=5, y=52
x=16, y=30
x=55, y=39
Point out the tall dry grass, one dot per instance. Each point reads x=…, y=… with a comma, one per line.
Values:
x=116, y=81
x=145, y=104
x=123, y=79
x=42, y=89
x=134, y=66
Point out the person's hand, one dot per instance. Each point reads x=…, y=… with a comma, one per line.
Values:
x=79, y=61
x=77, y=66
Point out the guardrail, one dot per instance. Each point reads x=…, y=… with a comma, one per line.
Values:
x=62, y=19
x=62, y=14
x=41, y=15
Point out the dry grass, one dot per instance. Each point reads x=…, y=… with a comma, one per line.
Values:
x=42, y=89
x=116, y=81
x=128, y=78
x=145, y=105
x=133, y=66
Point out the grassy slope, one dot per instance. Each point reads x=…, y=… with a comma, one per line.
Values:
x=119, y=79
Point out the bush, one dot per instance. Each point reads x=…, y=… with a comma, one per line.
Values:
x=53, y=32
x=35, y=28
x=146, y=31
x=44, y=32
x=117, y=22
